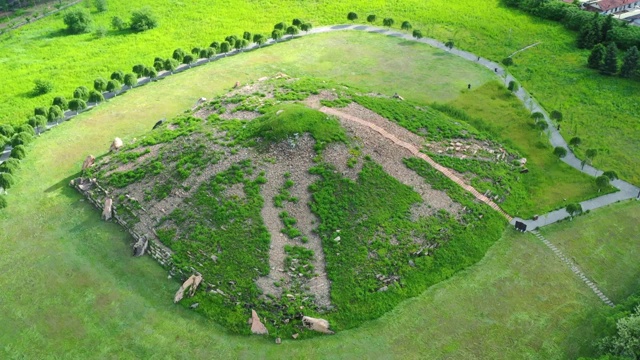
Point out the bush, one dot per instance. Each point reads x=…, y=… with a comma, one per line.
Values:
x=100, y=32
x=41, y=111
x=560, y=152
x=22, y=138
x=42, y=87
x=77, y=104
x=81, y=92
x=55, y=113
x=99, y=84
x=352, y=16
x=508, y=61
x=4, y=141
x=19, y=152
x=280, y=26
x=178, y=54
x=188, y=59
x=37, y=120
x=143, y=19
x=25, y=128
x=78, y=21
x=130, y=79
x=117, y=75
x=113, y=85
x=138, y=69
x=150, y=72
x=170, y=64
x=3, y=201
x=95, y=96
x=101, y=5
x=117, y=23
x=513, y=86
x=6, y=180
x=61, y=102
x=10, y=166
x=6, y=130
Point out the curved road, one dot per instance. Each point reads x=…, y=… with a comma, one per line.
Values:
x=626, y=190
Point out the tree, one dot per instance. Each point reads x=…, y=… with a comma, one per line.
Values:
x=292, y=30
x=143, y=19
x=537, y=116
x=512, y=86
x=61, y=102
x=215, y=45
x=371, y=19
x=590, y=33
x=113, y=86
x=26, y=128
x=247, y=35
x=170, y=64
x=42, y=87
x=574, y=209
x=151, y=72
x=259, y=39
x=276, y=35
x=406, y=26
x=508, y=61
x=388, y=22
x=77, y=105
x=18, y=152
x=139, y=68
x=117, y=23
x=3, y=202
x=575, y=141
x=624, y=344
x=280, y=26
x=207, y=53
x=21, y=138
x=597, y=56
x=10, y=166
x=78, y=21
x=99, y=84
x=188, y=59
x=556, y=115
x=306, y=27
x=224, y=47
x=6, y=180
x=612, y=175
x=231, y=39
x=560, y=152
x=607, y=25
x=610, y=65
x=629, y=62
x=101, y=5
x=296, y=22
x=542, y=126
x=590, y=154
x=352, y=16
x=55, y=114
x=41, y=111
x=95, y=96
x=602, y=182
x=449, y=44
x=417, y=34
x=242, y=43
x=6, y=130
x=117, y=75
x=178, y=54
x=81, y=92
x=131, y=79
x=158, y=64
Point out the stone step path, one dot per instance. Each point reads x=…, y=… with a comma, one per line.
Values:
x=576, y=270
x=416, y=151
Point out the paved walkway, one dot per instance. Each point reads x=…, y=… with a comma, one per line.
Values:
x=416, y=151
x=627, y=191
x=576, y=270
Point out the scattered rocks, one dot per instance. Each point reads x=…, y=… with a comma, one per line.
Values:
x=88, y=162
x=383, y=289
x=194, y=305
x=116, y=144
x=319, y=325
x=107, y=210
x=295, y=336
x=190, y=284
x=257, y=327
x=278, y=341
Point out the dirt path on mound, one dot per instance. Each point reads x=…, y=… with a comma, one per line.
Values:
x=415, y=151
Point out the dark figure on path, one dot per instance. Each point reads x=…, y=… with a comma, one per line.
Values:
x=495, y=69
x=478, y=58
x=468, y=86
x=558, y=127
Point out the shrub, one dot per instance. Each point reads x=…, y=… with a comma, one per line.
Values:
x=3, y=201
x=113, y=85
x=224, y=47
x=6, y=130
x=508, y=61
x=513, y=86
x=10, y=166
x=99, y=84
x=55, y=113
x=575, y=141
x=22, y=138
x=78, y=21
x=417, y=34
x=61, y=102
x=138, y=69
x=388, y=22
x=280, y=26
x=101, y=5
x=170, y=64
x=371, y=19
x=77, y=104
x=143, y=19
x=150, y=72
x=95, y=96
x=602, y=181
x=130, y=79
x=6, y=180
x=306, y=27
x=81, y=92
x=19, y=152
x=247, y=35
x=41, y=111
x=37, y=120
x=4, y=141
x=296, y=22
x=292, y=30
x=352, y=16
x=188, y=59
x=101, y=32
x=231, y=39
x=42, y=87
x=276, y=35
x=178, y=54
x=117, y=23
x=406, y=26
x=117, y=75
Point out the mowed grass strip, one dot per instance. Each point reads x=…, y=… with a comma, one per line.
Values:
x=604, y=243
x=550, y=182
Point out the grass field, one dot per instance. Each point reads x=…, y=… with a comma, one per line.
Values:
x=599, y=242
x=549, y=180
x=71, y=289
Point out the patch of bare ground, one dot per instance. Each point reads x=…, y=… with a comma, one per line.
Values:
x=153, y=152
x=240, y=115
x=390, y=157
x=471, y=149
x=313, y=101
x=294, y=157
x=339, y=155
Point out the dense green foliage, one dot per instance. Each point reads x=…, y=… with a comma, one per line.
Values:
x=143, y=19
x=78, y=21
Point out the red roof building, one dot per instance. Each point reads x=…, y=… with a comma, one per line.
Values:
x=611, y=6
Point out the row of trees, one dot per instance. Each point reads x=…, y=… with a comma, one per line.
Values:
x=80, y=21
x=605, y=59
x=18, y=137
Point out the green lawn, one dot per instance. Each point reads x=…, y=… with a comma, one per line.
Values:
x=604, y=243
x=71, y=289
x=549, y=180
